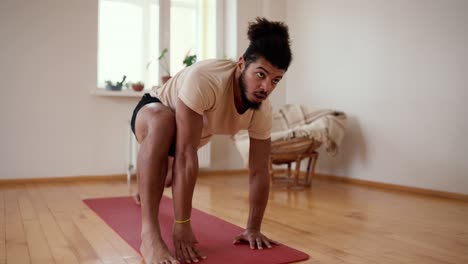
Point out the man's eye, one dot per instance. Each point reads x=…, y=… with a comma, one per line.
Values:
x=260, y=74
x=275, y=81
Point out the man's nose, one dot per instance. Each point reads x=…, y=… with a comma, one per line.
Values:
x=267, y=86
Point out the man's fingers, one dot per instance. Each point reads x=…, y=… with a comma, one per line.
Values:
x=237, y=239
x=267, y=243
x=252, y=243
x=259, y=243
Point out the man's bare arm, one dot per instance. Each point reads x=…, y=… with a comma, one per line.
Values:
x=189, y=127
x=259, y=154
x=259, y=189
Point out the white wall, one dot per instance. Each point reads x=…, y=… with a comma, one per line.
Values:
x=51, y=124
x=399, y=70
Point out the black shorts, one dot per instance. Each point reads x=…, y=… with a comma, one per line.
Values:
x=147, y=99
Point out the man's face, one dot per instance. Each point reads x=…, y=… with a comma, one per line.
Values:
x=257, y=81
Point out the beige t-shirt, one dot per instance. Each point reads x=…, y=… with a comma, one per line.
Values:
x=207, y=88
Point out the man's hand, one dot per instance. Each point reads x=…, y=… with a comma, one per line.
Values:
x=254, y=238
x=184, y=244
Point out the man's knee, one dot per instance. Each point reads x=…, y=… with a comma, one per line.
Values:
x=155, y=122
x=162, y=123
x=164, y=117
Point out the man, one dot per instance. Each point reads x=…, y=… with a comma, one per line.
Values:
x=210, y=97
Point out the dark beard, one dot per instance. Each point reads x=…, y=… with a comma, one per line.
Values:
x=245, y=100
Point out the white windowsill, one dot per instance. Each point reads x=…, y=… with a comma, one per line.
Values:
x=122, y=93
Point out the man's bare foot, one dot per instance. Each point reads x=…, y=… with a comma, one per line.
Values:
x=168, y=181
x=155, y=251
x=136, y=197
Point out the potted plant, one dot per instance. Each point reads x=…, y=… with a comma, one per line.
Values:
x=163, y=66
x=117, y=86
x=189, y=59
x=138, y=86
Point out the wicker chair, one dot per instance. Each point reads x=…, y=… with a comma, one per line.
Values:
x=289, y=151
x=297, y=132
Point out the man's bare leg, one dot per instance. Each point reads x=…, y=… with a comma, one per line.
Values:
x=155, y=129
x=167, y=182
x=170, y=163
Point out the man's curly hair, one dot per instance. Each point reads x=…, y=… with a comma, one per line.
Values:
x=269, y=40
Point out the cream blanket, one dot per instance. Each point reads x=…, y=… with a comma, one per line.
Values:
x=297, y=121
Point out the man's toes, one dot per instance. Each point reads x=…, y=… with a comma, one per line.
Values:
x=136, y=197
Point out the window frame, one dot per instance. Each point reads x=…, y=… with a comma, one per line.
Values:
x=165, y=32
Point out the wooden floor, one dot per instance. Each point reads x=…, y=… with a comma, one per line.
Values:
x=333, y=222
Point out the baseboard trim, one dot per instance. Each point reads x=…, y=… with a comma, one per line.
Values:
x=117, y=177
x=204, y=172
x=393, y=187
x=317, y=176
x=111, y=177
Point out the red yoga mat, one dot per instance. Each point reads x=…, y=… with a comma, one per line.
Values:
x=215, y=235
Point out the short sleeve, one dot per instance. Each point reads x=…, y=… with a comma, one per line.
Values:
x=196, y=92
x=260, y=126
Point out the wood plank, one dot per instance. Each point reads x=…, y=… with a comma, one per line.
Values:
x=103, y=248
x=12, y=211
x=122, y=247
x=37, y=244
x=61, y=249
x=58, y=244
x=87, y=190
x=81, y=247
x=2, y=227
x=26, y=207
x=16, y=246
x=61, y=210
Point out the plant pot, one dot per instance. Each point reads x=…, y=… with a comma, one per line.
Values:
x=165, y=78
x=114, y=87
x=138, y=87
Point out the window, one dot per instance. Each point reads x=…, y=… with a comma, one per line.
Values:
x=129, y=39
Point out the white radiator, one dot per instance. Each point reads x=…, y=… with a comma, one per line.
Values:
x=204, y=156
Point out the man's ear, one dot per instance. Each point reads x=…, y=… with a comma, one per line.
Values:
x=241, y=63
